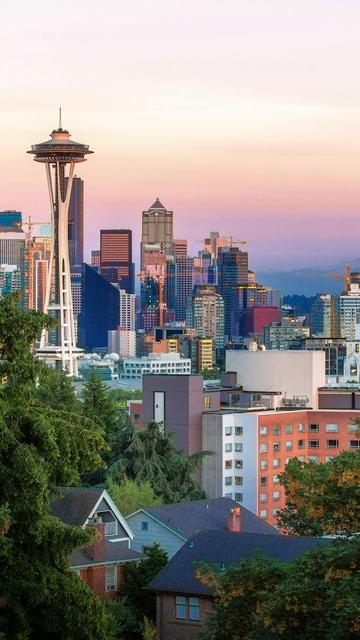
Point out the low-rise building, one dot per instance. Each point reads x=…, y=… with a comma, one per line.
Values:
x=166, y=363
x=100, y=565
x=184, y=604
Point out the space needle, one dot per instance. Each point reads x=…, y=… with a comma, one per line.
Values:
x=56, y=154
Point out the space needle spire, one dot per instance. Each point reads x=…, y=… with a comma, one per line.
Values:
x=59, y=154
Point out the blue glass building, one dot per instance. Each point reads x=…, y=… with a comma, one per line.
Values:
x=100, y=310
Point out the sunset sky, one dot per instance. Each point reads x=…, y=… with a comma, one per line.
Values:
x=242, y=116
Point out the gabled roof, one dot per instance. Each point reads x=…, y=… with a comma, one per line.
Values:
x=186, y=519
x=225, y=548
x=75, y=505
x=157, y=205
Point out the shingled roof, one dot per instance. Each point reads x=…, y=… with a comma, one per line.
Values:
x=225, y=548
x=74, y=504
x=188, y=518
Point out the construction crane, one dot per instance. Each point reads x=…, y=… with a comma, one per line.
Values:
x=29, y=272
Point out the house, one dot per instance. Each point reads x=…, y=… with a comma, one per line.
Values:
x=100, y=565
x=183, y=604
x=171, y=525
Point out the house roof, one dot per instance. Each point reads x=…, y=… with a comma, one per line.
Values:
x=74, y=505
x=188, y=518
x=115, y=553
x=225, y=548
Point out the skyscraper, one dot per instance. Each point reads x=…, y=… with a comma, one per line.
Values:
x=76, y=223
x=116, y=258
x=157, y=229
x=56, y=154
x=184, y=282
x=100, y=310
x=232, y=282
x=322, y=316
x=10, y=218
x=180, y=248
x=206, y=314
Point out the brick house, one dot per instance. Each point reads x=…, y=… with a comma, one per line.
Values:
x=100, y=565
x=184, y=604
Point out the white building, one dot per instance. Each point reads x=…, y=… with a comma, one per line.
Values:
x=165, y=363
x=297, y=375
x=127, y=310
x=122, y=342
x=349, y=312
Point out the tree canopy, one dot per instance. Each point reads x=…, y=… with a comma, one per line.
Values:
x=41, y=447
x=322, y=498
x=315, y=597
x=129, y=495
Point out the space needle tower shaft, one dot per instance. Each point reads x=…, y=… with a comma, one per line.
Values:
x=59, y=154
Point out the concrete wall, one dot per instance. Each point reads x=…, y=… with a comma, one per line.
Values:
x=293, y=373
x=170, y=542
x=184, y=403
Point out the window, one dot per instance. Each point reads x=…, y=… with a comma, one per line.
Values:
x=276, y=446
x=288, y=428
x=111, y=528
x=301, y=427
x=352, y=428
x=301, y=444
x=276, y=495
x=301, y=458
x=329, y=458
x=238, y=446
x=144, y=526
x=276, y=512
x=332, y=444
x=228, y=431
x=228, y=495
x=193, y=608
x=228, y=464
x=263, y=497
x=276, y=479
x=331, y=428
x=276, y=430
x=207, y=402
x=263, y=481
x=238, y=497
x=263, y=431
x=147, y=550
x=180, y=607
x=354, y=444
x=276, y=462
x=263, y=513
x=313, y=444
x=263, y=464
x=238, y=431
x=313, y=428
x=313, y=459
x=110, y=578
x=263, y=447
x=288, y=445
x=238, y=464
x=238, y=480
x=228, y=447
x=228, y=480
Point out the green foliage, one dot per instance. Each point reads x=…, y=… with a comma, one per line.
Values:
x=313, y=598
x=129, y=495
x=41, y=446
x=148, y=630
x=151, y=455
x=136, y=577
x=98, y=405
x=121, y=396
x=322, y=498
x=211, y=374
x=56, y=390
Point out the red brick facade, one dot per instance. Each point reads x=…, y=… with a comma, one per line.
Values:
x=169, y=628
x=95, y=576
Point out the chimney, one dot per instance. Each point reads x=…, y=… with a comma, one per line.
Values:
x=234, y=520
x=96, y=551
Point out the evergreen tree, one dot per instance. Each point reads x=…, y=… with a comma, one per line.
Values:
x=41, y=447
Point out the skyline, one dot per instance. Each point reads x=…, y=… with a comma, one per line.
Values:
x=276, y=150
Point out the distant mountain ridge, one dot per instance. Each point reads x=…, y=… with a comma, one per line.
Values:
x=308, y=281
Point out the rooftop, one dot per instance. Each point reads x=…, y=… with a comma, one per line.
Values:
x=74, y=504
x=223, y=548
x=189, y=518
